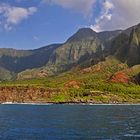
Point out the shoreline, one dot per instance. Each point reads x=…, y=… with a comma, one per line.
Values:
x=38, y=95
x=67, y=103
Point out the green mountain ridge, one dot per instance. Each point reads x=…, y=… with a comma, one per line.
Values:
x=84, y=48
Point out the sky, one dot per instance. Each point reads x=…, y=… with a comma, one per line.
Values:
x=30, y=24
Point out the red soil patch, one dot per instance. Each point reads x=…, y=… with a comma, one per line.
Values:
x=120, y=77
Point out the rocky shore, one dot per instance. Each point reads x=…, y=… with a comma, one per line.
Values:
x=26, y=94
x=40, y=95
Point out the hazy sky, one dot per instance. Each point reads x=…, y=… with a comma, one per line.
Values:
x=28, y=24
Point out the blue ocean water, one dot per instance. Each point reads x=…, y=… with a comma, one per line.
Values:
x=69, y=122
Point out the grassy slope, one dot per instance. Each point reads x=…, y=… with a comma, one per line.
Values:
x=88, y=85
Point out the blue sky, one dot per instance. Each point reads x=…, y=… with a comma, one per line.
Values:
x=29, y=24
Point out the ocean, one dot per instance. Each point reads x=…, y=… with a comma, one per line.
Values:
x=69, y=122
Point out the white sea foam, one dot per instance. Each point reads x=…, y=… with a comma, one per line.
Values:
x=91, y=104
x=11, y=103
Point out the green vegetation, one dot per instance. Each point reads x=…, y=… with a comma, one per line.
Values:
x=78, y=86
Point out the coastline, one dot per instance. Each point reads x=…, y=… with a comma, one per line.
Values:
x=68, y=103
x=40, y=95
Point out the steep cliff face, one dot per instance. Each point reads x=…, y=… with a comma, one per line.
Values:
x=119, y=47
x=133, y=55
x=126, y=47
x=75, y=52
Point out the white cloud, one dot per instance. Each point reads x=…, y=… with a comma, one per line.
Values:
x=105, y=16
x=114, y=14
x=83, y=6
x=14, y=15
x=122, y=15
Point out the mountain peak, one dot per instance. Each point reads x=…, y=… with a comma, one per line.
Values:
x=82, y=34
x=86, y=30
